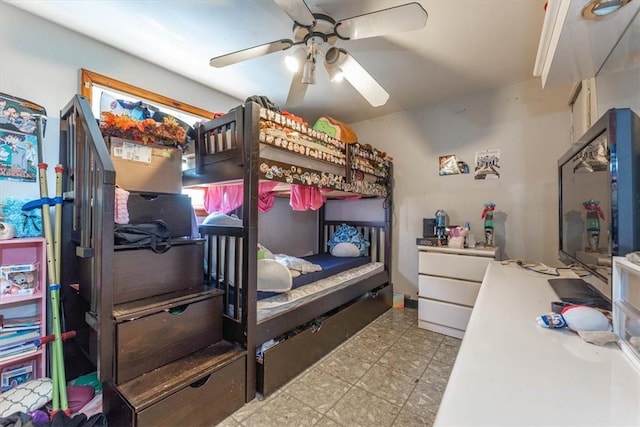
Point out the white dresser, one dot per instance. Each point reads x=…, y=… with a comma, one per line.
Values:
x=448, y=285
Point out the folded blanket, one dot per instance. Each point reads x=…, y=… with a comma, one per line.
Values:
x=297, y=264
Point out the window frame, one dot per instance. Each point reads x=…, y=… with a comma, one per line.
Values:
x=90, y=78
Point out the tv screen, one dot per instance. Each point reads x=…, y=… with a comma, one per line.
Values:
x=585, y=205
x=599, y=192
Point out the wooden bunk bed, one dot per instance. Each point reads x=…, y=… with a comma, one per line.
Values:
x=252, y=144
x=220, y=376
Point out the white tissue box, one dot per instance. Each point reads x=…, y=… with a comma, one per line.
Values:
x=626, y=307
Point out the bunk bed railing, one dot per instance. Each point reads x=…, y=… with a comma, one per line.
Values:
x=225, y=268
x=220, y=139
x=89, y=193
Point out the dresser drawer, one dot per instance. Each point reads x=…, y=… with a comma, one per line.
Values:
x=148, y=342
x=452, y=265
x=448, y=290
x=442, y=313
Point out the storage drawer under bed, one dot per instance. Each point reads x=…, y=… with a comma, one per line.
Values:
x=290, y=357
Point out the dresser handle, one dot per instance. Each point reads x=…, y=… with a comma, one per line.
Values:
x=199, y=383
x=178, y=310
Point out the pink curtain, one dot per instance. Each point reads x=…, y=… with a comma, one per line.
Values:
x=223, y=198
x=226, y=198
x=266, y=196
x=304, y=198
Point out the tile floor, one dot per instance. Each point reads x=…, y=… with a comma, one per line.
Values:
x=390, y=374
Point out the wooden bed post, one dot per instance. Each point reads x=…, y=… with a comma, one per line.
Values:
x=251, y=152
x=321, y=236
x=388, y=219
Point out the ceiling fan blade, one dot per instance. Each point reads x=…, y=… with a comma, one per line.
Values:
x=408, y=17
x=298, y=11
x=250, y=53
x=297, y=89
x=359, y=78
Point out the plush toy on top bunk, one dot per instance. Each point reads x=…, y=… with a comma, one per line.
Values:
x=336, y=129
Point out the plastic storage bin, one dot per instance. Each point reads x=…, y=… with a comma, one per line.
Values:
x=626, y=307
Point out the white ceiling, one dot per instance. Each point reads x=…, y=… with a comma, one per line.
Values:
x=466, y=46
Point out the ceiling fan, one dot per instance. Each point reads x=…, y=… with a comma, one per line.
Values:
x=316, y=34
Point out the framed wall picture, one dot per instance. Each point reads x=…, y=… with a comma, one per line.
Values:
x=487, y=164
x=450, y=164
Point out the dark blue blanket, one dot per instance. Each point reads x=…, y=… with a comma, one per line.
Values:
x=330, y=265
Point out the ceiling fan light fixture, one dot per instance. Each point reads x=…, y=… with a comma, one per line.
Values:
x=309, y=72
x=292, y=63
x=599, y=8
x=338, y=60
x=335, y=73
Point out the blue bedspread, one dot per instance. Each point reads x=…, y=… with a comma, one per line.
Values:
x=330, y=265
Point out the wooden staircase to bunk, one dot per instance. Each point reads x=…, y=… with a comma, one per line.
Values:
x=154, y=332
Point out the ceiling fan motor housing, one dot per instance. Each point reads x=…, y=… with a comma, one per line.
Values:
x=321, y=31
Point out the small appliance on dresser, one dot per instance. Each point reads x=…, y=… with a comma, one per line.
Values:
x=448, y=284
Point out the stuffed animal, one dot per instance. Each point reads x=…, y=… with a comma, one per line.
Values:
x=347, y=241
x=7, y=231
x=336, y=129
x=456, y=237
x=26, y=223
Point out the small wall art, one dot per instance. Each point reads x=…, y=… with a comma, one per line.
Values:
x=487, y=164
x=18, y=138
x=450, y=164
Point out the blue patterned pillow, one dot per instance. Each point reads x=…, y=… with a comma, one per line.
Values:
x=349, y=234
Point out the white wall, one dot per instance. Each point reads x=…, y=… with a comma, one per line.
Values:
x=528, y=125
x=40, y=61
x=618, y=82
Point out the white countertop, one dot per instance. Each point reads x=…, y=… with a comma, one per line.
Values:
x=488, y=251
x=512, y=372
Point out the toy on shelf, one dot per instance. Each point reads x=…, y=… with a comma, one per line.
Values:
x=456, y=237
x=441, y=226
x=487, y=215
x=18, y=280
x=594, y=214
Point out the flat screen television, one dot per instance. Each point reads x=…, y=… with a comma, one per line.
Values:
x=599, y=194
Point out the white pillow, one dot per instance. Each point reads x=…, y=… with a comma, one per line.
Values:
x=345, y=250
x=26, y=397
x=273, y=276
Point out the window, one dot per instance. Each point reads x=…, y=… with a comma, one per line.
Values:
x=92, y=86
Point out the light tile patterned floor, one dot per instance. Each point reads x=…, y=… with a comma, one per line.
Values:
x=390, y=374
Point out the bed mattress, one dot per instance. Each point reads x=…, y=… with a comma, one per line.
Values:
x=280, y=303
x=330, y=264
